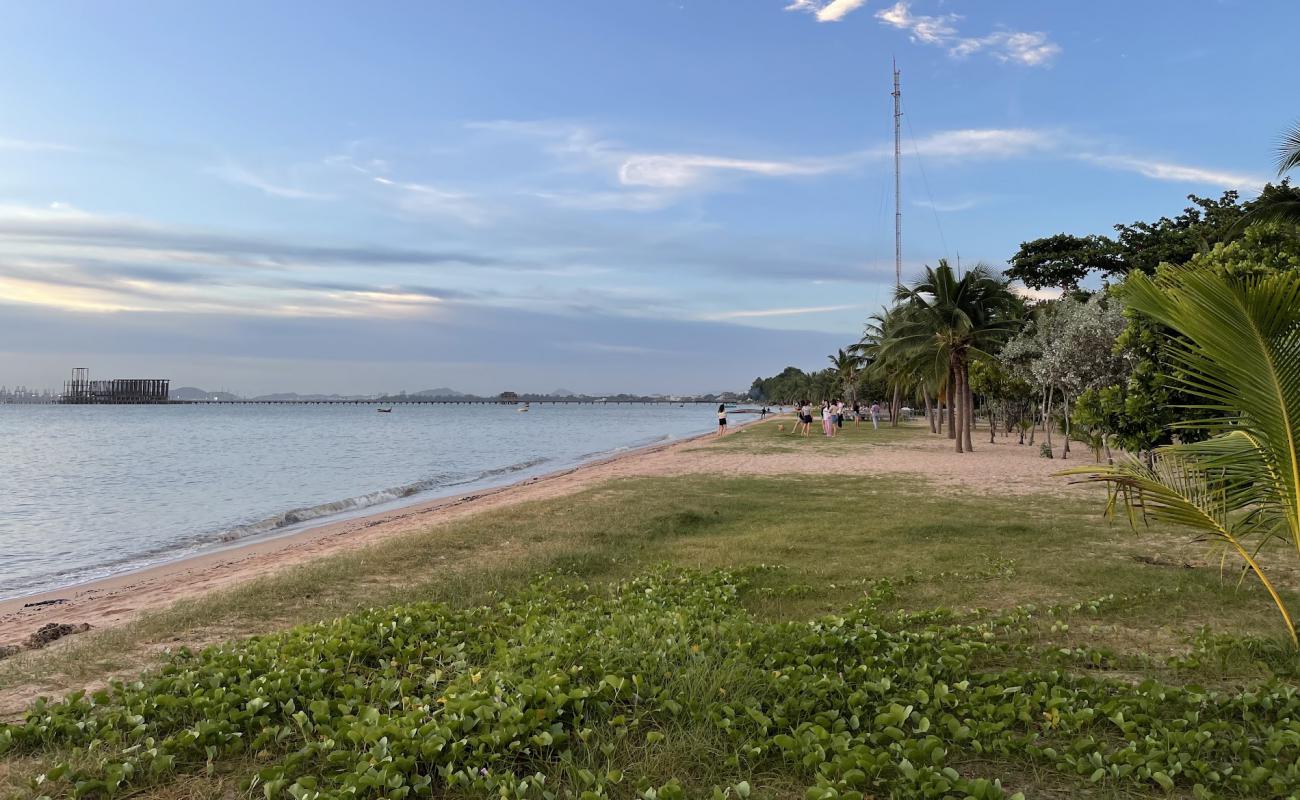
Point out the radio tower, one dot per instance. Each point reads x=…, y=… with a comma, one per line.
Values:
x=898, y=186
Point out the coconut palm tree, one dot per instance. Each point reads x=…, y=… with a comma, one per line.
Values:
x=1288, y=150
x=947, y=320
x=1237, y=352
x=1276, y=206
x=847, y=364
x=884, y=362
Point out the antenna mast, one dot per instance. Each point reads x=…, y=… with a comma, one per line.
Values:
x=898, y=186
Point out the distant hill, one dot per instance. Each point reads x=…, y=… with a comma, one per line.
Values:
x=443, y=392
x=563, y=393
x=195, y=393
x=294, y=396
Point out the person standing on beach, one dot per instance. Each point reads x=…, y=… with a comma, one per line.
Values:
x=722, y=419
x=839, y=414
x=805, y=417
x=827, y=428
x=875, y=416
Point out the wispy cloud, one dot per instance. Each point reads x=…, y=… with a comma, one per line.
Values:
x=777, y=312
x=1028, y=48
x=31, y=146
x=242, y=176
x=681, y=170
x=67, y=258
x=606, y=200
x=424, y=200
x=69, y=227
x=615, y=349
x=827, y=10
x=638, y=180
x=964, y=204
x=974, y=143
x=1178, y=173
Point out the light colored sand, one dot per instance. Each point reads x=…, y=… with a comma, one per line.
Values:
x=999, y=469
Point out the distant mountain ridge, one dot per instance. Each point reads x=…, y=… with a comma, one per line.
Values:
x=195, y=393
x=442, y=392
x=294, y=396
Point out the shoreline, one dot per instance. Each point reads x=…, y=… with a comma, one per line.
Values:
x=114, y=600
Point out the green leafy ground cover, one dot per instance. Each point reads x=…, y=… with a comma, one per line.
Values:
x=566, y=691
x=882, y=582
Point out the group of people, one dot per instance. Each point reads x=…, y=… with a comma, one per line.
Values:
x=833, y=414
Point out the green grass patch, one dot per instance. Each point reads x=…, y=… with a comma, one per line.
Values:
x=768, y=436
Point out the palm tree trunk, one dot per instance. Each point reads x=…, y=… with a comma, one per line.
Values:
x=895, y=408
x=957, y=417
x=929, y=410
x=952, y=396
x=1033, y=425
x=968, y=403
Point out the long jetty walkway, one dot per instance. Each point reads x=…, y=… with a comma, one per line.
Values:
x=444, y=402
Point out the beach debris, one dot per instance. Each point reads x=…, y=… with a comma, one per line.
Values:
x=56, y=602
x=53, y=631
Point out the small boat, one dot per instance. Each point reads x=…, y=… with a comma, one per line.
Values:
x=384, y=410
x=522, y=408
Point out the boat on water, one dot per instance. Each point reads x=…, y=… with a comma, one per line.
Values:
x=384, y=410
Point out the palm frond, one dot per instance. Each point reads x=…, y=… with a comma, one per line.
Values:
x=1288, y=150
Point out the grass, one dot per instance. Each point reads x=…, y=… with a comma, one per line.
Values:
x=779, y=436
x=832, y=541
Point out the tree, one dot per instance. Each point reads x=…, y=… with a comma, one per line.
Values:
x=1236, y=346
x=1005, y=395
x=1146, y=405
x=1063, y=260
x=847, y=364
x=948, y=320
x=1146, y=245
x=1280, y=206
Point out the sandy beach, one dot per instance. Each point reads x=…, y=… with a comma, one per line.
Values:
x=1002, y=467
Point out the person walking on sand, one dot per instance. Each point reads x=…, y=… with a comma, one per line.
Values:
x=722, y=419
x=875, y=416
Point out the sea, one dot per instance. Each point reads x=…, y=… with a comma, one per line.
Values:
x=88, y=492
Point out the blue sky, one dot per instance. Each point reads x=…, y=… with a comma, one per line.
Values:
x=641, y=196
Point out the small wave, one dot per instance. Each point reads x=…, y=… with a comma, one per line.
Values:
x=307, y=514
x=637, y=445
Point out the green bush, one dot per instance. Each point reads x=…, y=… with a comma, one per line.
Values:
x=567, y=691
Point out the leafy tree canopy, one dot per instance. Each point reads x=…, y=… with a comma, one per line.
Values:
x=1061, y=261
x=1064, y=260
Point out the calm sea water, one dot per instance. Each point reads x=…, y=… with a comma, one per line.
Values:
x=90, y=491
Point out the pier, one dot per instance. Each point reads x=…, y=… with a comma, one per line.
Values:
x=476, y=401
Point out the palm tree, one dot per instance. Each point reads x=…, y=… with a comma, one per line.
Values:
x=847, y=365
x=1288, y=150
x=1237, y=353
x=946, y=320
x=891, y=366
x=1281, y=206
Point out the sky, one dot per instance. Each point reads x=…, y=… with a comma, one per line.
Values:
x=652, y=196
